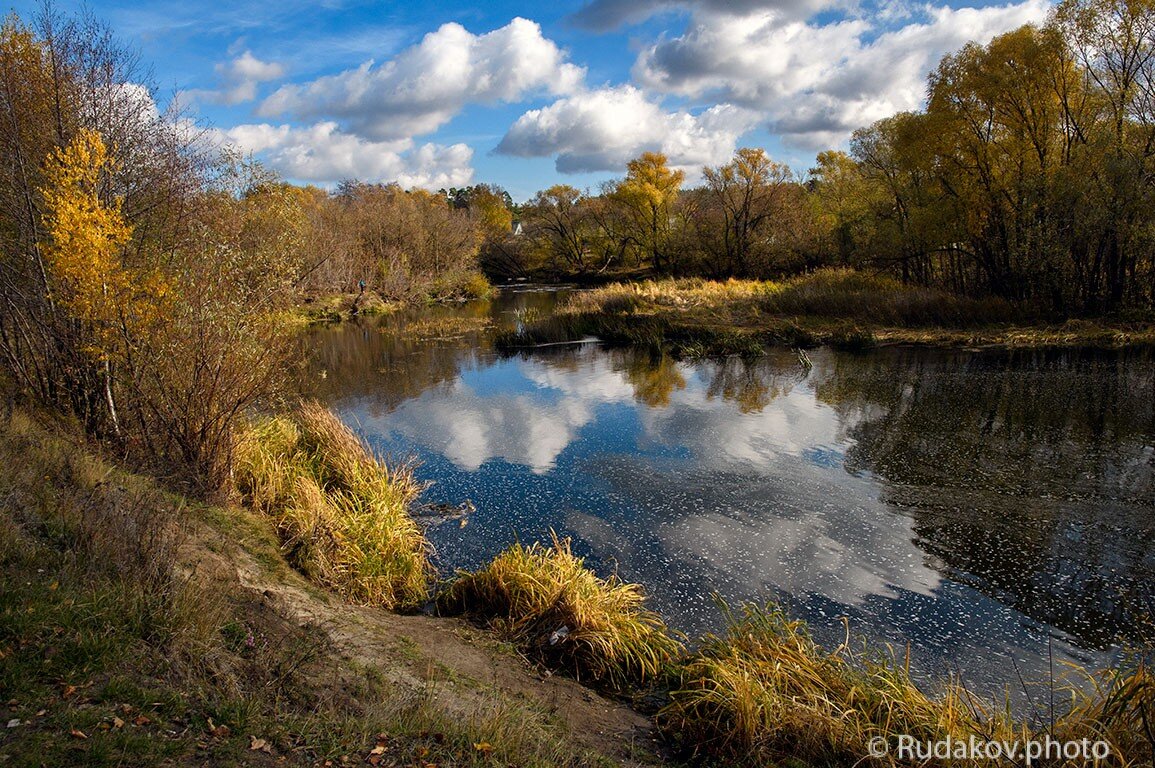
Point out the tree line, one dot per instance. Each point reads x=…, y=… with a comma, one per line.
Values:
x=1028, y=176
x=142, y=267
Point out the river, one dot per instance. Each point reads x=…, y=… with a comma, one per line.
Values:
x=992, y=512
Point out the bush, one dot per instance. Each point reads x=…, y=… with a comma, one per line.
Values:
x=546, y=600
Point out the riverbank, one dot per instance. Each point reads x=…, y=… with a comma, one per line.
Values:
x=337, y=307
x=141, y=627
x=840, y=308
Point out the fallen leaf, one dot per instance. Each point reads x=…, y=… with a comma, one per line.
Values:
x=377, y=750
x=140, y=720
x=76, y=733
x=259, y=745
x=484, y=747
x=69, y=690
x=14, y=723
x=117, y=722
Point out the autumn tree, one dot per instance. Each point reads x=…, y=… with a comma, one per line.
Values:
x=1113, y=121
x=747, y=193
x=85, y=238
x=559, y=226
x=646, y=199
x=845, y=202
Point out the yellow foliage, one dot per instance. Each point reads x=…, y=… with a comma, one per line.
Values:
x=86, y=237
x=650, y=182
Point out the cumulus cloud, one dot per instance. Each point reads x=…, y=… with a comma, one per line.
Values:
x=602, y=129
x=815, y=83
x=426, y=85
x=239, y=79
x=324, y=154
x=604, y=15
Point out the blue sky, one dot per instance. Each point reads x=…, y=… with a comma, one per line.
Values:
x=528, y=95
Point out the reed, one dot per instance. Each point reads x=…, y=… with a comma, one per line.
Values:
x=557, y=610
x=342, y=514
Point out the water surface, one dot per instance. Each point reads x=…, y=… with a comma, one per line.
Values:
x=992, y=511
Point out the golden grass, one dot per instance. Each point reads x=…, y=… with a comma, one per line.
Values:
x=766, y=692
x=531, y=593
x=342, y=514
x=840, y=307
x=880, y=300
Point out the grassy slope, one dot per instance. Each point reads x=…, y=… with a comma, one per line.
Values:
x=197, y=644
x=839, y=307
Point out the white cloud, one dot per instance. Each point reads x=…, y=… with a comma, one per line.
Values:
x=239, y=79
x=603, y=15
x=426, y=85
x=603, y=129
x=323, y=153
x=816, y=83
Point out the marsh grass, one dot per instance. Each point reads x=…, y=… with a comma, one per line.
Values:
x=556, y=609
x=451, y=327
x=342, y=514
x=879, y=300
x=840, y=307
x=765, y=693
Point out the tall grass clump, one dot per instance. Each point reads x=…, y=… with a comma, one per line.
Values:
x=765, y=691
x=342, y=514
x=546, y=600
x=846, y=293
x=1116, y=706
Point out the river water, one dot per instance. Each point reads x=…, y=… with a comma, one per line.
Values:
x=992, y=513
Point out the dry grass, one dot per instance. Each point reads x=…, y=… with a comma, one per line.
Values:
x=342, y=514
x=448, y=328
x=840, y=307
x=766, y=692
x=879, y=301
x=546, y=600
x=832, y=294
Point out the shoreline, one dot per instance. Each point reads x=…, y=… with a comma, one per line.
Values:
x=695, y=318
x=250, y=607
